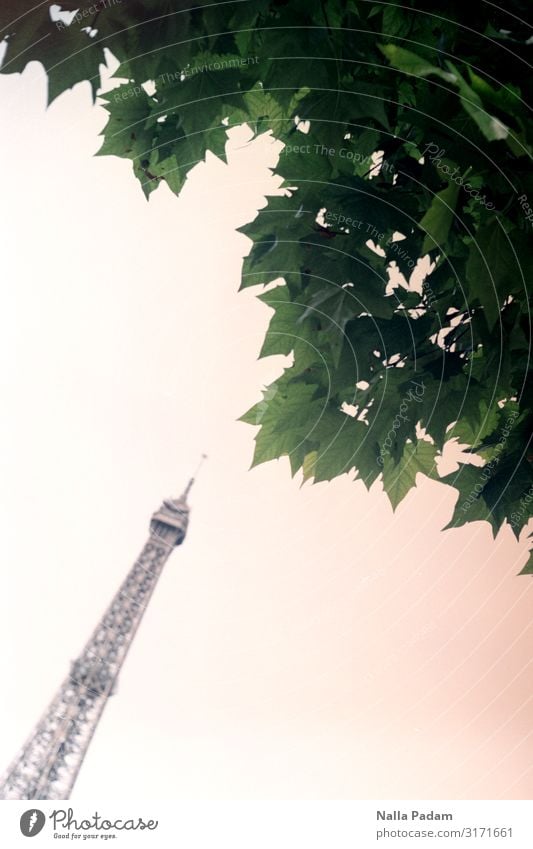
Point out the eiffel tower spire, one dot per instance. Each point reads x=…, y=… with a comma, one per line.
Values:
x=49, y=762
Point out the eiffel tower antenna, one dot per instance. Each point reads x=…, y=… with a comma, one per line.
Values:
x=194, y=475
x=49, y=762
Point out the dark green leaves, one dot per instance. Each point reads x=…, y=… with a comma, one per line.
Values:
x=499, y=265
x=528, y=568
x=286, y=416
x=411, y=64
x=68, y=53
x=399, y=478
x=441, y=103
x=438, y=219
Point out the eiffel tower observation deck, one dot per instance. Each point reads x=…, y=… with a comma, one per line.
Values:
x=49, y=762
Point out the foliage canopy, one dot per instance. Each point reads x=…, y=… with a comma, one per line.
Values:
x=399, y=250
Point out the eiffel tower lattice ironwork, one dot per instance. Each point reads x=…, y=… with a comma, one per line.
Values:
x=49, y=762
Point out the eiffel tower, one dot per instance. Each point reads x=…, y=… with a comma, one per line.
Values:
x=49, y=762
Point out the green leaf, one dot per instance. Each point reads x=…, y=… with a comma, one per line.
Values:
x=499, y=264
x=399, y=478
x=283, y=332
x=313, y=75
x=498, y=490
x=68, y=54
x=492, y=128
x=280, y=434
x=438, y=220
x=410, y=63
x=528, y=568
x=473, y=430
x=263, y=109
x=309, y=464
x=276, y=248
x=340, y=443
x=395, y=21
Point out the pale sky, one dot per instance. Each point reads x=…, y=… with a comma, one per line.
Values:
x=304, y=642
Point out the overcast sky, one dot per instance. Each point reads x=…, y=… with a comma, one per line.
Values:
x=304, y=641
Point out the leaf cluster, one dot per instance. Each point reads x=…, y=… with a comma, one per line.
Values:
x=396, y=261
